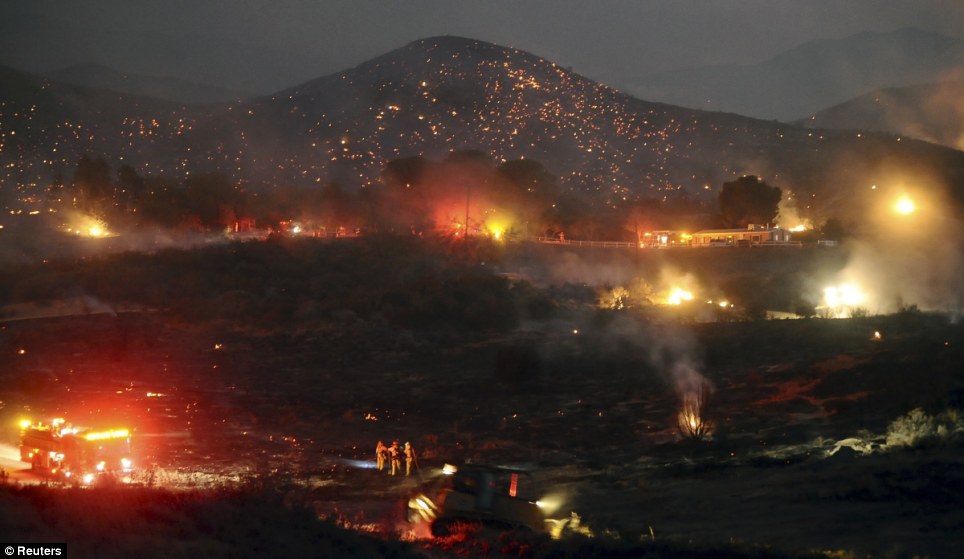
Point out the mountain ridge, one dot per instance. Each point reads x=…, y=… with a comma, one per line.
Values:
x=438, y=95
x=166, y=88
x=812, y=76
x=932, y=112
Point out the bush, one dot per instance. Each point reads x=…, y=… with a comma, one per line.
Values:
x=917, y=428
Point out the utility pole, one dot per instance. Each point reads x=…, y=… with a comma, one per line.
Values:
x=468, y=194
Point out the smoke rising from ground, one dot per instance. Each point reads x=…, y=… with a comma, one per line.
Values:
x=788, y=213
x=670, y=349
x=65, y=237
x=674, y=353
x=913, y=259
x=571, y=268
x=937, y=116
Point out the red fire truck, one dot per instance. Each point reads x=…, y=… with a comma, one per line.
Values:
x=62, y=450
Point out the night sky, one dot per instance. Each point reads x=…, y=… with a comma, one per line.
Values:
x=261, y=47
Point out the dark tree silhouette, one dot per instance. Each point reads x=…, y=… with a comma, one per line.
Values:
x=404, y=204
x=405, y=172
x=833, y=230
x=92, y=187
x=471, y=157
x=55, y=192
x=643, y=215
x=337, y=207
x=212, y=199
x=748, y=200
x=131, y=187
x=163, y=202
x=529, y=176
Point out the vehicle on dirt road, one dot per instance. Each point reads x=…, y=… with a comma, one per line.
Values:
x=486, y=496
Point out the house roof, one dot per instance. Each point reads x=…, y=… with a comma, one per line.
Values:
x=714, y=231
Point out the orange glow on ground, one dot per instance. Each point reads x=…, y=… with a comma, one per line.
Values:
x=678, y=295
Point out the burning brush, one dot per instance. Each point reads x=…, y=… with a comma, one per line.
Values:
x=692, y=421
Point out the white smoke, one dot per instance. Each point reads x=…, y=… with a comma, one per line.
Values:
x=673, y=351
x=909, y=260
x=789, y=214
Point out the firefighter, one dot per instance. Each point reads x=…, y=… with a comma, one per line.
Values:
x=410, y=458
x=395, y=453
x=381, y=452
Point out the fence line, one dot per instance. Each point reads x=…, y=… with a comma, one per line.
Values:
x=624, y=244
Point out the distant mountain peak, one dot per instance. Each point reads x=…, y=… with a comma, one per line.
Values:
x=930, y=112
x=811, y=76
x=92, y=74
x=872, y=43
x=453, y=45
x=90, y=67
x=454, y=42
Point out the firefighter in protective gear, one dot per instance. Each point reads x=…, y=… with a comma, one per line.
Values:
x=381, y=453
x=410, y=459
x=395, y=454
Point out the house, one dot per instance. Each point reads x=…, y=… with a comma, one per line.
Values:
x=664, y=239
x=753, y=235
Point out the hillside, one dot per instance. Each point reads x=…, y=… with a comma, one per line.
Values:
x=932, y=112
x=813, y=76
x=442, y=94
x=47, y=126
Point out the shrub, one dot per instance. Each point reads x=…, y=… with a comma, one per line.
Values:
x=917, y=428
x=910, y=429
x=859, y=312
x=692, y=420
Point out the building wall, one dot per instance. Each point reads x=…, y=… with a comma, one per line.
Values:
x=740, y=236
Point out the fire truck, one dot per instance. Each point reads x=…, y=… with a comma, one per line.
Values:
x=61, y=450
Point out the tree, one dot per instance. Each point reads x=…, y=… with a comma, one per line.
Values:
x=131, y=187
x=212, y=198
x=470, y=157
x=336, y=206
x=527, y=190
x=402, y=205
x=405, y=172
x=529, y=176
x=748, y=200
x=833, y=230
x=164, y=201
x=642, y=216
x=92, y=185
x=55, y=192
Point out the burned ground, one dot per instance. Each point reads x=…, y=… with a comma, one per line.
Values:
x=582, y=397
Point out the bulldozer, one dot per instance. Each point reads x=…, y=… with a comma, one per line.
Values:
x=486, y=496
